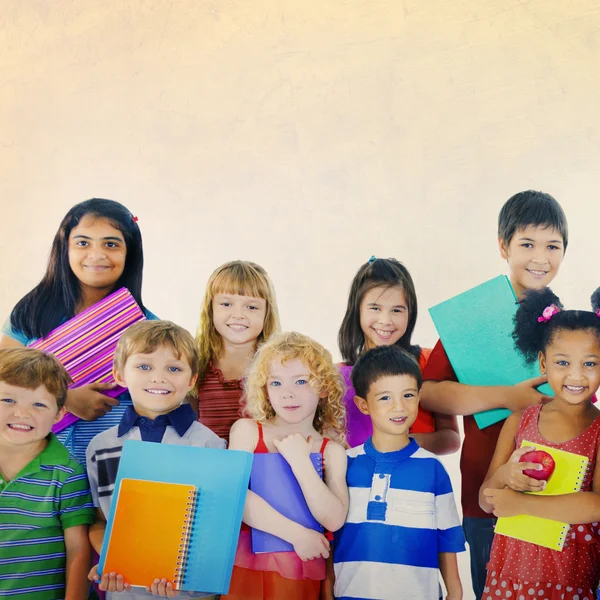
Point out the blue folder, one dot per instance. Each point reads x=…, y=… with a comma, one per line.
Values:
x=476, y=330
x=273, y=480
x=221, y=477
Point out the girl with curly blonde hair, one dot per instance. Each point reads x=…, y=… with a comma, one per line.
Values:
x=294, y=400
x=239, y=313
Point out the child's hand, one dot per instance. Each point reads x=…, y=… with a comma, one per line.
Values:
x=89, y=403
x=110, y=582
x=163, y=588
x=310, y=544
x=525, y=394
x=293, y=447
x=506, y=502
x=514, y=477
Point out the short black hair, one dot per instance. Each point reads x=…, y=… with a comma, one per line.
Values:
x=383, y=361
x=531, y=208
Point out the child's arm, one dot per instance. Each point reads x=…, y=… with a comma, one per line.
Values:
x=259, y=514
x=327, y=500
x=576, y=508
x=505, y=468
x=449, y=571
x=97, y=531
x=444, y=440
x=78, y=561
x=453, y=398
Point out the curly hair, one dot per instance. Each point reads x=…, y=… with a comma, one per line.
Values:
x=330, y=415
x=242, y=278
x=532, y=335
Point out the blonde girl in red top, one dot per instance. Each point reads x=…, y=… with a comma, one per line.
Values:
x=295, y=404
x=239, y=313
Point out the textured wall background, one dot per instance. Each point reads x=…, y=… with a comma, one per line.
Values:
x=306, y=136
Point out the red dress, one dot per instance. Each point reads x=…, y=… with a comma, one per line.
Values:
x=273, y=575
x=219, y=401
x=522, y=571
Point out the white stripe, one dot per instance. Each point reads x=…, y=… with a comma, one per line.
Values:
x=356, y=451
x=385, y=581
x=445, y=512
x=406, y=508
x=422, y=453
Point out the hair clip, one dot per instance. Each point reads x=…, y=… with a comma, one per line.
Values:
x=372, y=259
x=548, y=313
x=135, y=219
x=598, y=313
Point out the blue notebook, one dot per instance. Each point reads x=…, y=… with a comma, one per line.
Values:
x=273, y=480
x=218, y=481
x=476, y=330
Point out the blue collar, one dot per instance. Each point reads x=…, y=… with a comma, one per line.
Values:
x=398, y=455
x=180, y=419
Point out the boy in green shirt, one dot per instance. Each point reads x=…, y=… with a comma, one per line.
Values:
x=45, y=501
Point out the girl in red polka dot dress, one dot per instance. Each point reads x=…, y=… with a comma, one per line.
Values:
x=567, y=345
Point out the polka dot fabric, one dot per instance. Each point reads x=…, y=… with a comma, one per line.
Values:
x=522, y=571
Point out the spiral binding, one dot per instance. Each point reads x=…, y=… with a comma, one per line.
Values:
x=186, y=533
x=583, y=473
x=319, y=464
x=584, y=470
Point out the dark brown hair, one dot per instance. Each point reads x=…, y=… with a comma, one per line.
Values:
x=378, y=272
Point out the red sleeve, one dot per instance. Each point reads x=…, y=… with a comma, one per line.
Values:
x=438, y=367
x=424, y=423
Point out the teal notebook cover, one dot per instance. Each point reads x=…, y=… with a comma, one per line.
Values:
x=221, y=477
x=476, y=330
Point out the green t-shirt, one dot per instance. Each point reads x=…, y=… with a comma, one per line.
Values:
x=49, y=495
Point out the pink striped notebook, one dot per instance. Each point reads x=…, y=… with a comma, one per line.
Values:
x=86, y=344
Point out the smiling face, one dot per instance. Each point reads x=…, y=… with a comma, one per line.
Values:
x=239, y=319
x=290, y=392
x=97, y=253
x=572, y=363
x=158, y=382
x=534, y=255
x=383, y=316
x=392, y=402
x=26, y=416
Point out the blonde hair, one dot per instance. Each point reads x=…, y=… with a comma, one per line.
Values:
x=325, y=377
x=146, y=336
x=30, y=368
x=241, y=278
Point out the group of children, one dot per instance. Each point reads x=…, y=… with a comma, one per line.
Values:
x=378, y=420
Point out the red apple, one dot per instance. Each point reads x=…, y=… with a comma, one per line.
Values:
x=542, y=458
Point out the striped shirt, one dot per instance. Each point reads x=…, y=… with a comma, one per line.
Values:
x=77, y=436
x=219, y=401
x=48, y=496
x=401, y=516
x=104, y=451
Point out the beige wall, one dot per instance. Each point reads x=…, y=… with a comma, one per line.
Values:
x=306, y=136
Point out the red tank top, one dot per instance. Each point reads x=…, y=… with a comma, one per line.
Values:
x=261, y=446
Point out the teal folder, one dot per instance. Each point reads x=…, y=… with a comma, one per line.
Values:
x=476, y=330
x=221, y=478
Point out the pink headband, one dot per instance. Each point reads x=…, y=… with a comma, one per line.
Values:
x=549, y=312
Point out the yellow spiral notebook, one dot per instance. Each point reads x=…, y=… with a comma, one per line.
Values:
x=568, y=476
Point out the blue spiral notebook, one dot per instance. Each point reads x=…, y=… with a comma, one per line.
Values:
x=273, y=480
x=216, y=482
x=476, y=330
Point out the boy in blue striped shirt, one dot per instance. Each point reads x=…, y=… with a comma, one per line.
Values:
x=402, y=528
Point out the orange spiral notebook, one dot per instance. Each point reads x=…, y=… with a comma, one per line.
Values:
x=147, y=542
